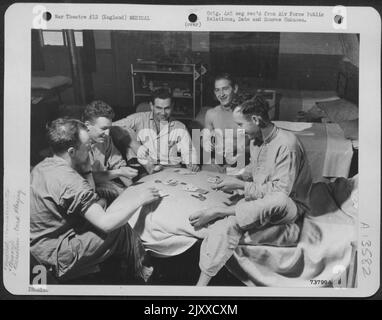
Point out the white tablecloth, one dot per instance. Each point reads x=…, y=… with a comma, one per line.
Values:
x=164, y=227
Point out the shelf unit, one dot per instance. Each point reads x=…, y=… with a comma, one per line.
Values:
x=184, y=80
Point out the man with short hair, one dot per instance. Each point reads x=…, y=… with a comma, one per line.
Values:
x=160, y=137
x=110, y=171
x=225, y=90
x=276, y=186
x=219, y=119
x=70, y=232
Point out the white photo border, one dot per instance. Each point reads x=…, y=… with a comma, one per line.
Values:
x=20, y=18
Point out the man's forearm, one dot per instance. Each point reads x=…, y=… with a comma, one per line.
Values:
x=120, y=216
x=105, y=176
x=226, y=211
x=236, y=184
x=241, y=184
x=113, y=217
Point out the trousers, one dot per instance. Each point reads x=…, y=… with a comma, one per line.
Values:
x=272, y=220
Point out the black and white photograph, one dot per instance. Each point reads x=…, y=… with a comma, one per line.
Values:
x=286, y=220
x=191, y=159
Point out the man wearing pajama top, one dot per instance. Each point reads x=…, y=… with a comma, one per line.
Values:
x=110, y=171
x=276, y=186
x=159, y=137
x=70, y=231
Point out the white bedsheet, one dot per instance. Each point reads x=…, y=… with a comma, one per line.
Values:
x=329, y=153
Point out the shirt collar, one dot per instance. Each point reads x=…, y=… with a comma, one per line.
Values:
x=60, y=160
x=171, y=121
x=271, y=136
x=260, y=140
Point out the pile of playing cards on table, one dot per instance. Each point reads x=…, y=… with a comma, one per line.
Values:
x=215, y=179
x=200, y=192
x=163, y=194
x=171, y=182
x=191, y=188
x=185, y=172
x=199, y=196
x=186, y=186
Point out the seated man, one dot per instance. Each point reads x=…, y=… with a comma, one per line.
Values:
x=107, y=162
x=160, y=137
x=276, y=197
x=70, y=232
x=220, y=118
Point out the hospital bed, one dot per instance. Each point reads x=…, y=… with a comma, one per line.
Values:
x=327, y=144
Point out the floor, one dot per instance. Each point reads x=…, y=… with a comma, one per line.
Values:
x=181, y=270
x=184, y=270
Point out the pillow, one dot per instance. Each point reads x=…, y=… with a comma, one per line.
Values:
x=350, y=129
x=339, y=110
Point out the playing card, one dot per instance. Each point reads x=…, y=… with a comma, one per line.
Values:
x=171, y=182
x=187, y=173
x=202, y=191
x=163, y=194
x=215, y=180
x=190, y=188
x=199, y=197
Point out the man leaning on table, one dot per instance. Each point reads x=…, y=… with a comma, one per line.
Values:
x=110, y=171
x=276, y=186
x=70, y=231
x=160, y=137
